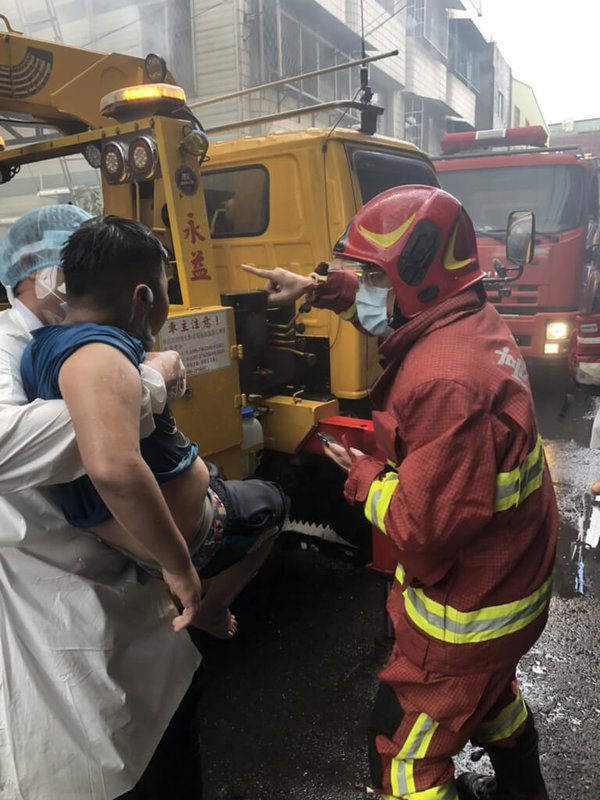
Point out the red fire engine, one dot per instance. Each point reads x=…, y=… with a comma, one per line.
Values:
x=495, y=172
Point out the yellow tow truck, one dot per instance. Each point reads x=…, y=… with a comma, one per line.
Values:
x=280, y=199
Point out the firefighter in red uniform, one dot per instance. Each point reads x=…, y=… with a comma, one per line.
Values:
x=465, y=497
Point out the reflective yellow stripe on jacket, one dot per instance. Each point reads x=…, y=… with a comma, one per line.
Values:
x=469, y=627
x=512, y=488
x=515, y=486
x=446, y=623
x=349, y=313
x=379, y=499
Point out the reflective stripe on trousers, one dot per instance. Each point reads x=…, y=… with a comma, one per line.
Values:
x=402, y=767
x=445, y=792
x=505, y=723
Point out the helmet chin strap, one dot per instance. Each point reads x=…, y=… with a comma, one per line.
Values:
x=397, y=319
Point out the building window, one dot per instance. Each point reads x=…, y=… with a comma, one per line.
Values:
x=413, y=120
x=428, y=20
x=500, y=104
x=290, y=48
x=517, y=116
x=462, y=59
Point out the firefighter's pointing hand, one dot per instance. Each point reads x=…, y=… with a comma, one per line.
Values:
x=283, y=286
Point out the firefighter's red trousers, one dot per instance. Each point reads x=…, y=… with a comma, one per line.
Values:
x=420, y=720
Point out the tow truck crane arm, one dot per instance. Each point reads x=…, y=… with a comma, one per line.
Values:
x=59, y=85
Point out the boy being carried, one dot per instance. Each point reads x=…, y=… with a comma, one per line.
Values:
x=154, y=498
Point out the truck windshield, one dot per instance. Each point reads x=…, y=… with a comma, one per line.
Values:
x=377, y=171
x=554, y=192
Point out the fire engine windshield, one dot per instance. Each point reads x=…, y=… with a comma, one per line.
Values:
x=554, y=192
x=377, y=171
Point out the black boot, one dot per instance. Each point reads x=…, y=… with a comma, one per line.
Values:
x=471, y=786
x=517, y=770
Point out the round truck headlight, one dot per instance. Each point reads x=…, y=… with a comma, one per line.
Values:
x=555, y=331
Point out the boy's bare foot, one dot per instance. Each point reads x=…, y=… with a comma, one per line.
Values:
x=595, y=488
x=221, y=624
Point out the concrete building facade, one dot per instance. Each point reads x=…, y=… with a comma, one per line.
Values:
x=582, y=133
x=525, y=109
x=444, y=77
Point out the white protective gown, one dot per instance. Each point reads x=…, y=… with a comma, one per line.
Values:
x=91, y=671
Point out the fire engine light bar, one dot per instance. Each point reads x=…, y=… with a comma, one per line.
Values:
x=534, y=135
x=2, y=143
x=160, y=93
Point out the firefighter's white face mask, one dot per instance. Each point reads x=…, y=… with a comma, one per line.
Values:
x=372, y=309
x=50, y=291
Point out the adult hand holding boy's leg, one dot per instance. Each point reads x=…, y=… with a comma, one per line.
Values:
x=185, y=585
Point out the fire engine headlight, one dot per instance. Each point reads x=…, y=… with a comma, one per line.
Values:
x=115, y=168
x=142, y=157
x=195, y=142
x=556, y=331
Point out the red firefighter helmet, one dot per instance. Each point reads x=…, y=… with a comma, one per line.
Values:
x=422, y=238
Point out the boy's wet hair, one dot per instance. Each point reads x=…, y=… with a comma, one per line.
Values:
x=108, y=255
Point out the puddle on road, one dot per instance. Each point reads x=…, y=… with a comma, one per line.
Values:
x=574, y=468
x=578, y=557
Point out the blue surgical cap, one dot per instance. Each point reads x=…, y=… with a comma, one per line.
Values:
x=35, y=240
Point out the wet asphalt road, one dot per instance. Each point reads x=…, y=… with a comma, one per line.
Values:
x=286, y=702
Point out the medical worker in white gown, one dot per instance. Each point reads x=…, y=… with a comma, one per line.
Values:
x=91, y=670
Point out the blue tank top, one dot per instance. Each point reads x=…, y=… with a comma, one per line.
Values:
x=167, y=451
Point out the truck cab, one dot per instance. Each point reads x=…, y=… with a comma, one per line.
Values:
x=495, y=172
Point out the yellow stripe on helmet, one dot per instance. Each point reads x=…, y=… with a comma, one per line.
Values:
x=387, y=239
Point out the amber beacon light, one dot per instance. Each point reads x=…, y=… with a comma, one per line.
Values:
x=148, y=98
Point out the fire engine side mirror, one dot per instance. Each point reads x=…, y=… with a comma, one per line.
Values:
x=520, y=237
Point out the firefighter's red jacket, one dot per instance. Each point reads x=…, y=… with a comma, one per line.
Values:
x=466, y=496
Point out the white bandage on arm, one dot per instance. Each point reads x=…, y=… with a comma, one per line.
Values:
x=154, y=398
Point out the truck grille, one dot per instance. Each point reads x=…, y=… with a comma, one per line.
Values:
x=522, y=295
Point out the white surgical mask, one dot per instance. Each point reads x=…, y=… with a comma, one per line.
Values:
x=371, y=309
x=50, y=291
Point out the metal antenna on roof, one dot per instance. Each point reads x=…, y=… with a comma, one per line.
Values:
x=366, y=91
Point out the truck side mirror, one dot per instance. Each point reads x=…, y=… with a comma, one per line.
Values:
x=520, y=237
